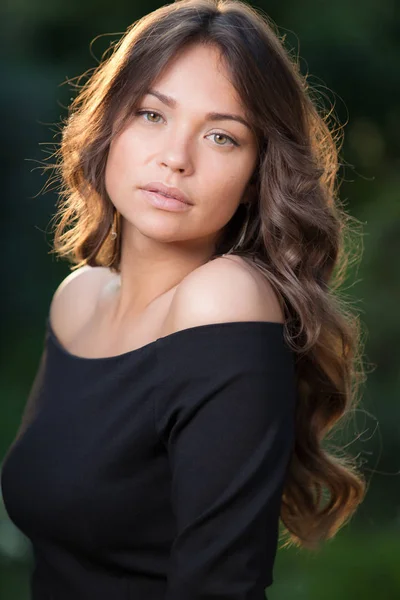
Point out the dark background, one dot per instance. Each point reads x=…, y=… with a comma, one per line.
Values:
x=351, y=50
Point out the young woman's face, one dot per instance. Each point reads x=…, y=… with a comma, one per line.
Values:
x=210, y=161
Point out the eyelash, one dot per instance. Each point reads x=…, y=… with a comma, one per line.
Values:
x=234, y=142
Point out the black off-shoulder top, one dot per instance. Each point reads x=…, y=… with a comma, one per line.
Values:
x=156, y=474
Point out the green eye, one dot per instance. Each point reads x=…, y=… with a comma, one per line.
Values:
x=148, y=112
x=223, y=135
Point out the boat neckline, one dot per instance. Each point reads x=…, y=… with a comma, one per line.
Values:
x=163, y=339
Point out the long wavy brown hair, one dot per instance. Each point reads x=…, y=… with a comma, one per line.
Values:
x=296, y=232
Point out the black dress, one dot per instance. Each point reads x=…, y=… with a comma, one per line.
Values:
x=156, y=474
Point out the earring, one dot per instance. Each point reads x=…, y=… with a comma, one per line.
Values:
x=113, y=233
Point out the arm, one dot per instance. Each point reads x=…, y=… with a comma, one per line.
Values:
x=63, y=306
x=228, y=427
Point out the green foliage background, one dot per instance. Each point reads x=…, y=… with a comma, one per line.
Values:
x=351, y=50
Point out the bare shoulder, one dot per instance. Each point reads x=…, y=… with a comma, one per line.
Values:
x=75, y=297
x=224, y=289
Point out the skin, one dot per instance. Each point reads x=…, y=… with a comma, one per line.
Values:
x=178, y=148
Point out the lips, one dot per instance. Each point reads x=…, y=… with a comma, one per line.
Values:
x=169, y=192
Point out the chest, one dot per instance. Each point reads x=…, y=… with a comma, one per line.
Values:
x=90, y=460
x=98, y=338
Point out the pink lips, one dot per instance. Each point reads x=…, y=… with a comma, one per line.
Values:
x=171, y=192
x=161, y=201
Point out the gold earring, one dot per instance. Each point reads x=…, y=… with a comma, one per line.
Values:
x=113, y=233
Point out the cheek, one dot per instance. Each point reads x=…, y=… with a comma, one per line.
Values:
x=223, y=194
x=226, y=192
x=119, y=153
x=119, y=164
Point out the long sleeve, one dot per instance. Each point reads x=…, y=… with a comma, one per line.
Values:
x=228, y=426
x=34, y=397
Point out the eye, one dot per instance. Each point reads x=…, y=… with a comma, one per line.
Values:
x=223, y=135
x=228, y=137
x=148, y=112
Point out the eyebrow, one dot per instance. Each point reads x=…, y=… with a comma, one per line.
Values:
x=211, y=116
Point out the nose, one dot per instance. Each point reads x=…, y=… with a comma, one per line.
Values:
x=176, y=154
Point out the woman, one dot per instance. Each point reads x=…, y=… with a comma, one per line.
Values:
x=197, y=356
